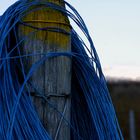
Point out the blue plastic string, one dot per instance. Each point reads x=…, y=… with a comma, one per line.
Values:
x=92, y=113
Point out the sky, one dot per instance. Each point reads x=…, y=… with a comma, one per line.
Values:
x=115, y=29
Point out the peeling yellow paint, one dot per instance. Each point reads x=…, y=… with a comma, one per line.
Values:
x=57, y=19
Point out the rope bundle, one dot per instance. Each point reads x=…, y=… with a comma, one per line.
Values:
x=92, y=113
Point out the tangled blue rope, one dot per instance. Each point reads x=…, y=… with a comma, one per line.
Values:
x=92, y=113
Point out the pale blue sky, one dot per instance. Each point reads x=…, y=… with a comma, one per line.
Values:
x=114, y=26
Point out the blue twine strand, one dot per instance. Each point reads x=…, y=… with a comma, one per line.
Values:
x=92, y=113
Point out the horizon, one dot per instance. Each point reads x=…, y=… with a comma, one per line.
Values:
x=122, y=73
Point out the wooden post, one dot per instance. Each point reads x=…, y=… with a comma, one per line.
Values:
x=132, y=130
x=53, y=78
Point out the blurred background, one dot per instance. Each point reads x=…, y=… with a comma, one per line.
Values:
x=115, y=29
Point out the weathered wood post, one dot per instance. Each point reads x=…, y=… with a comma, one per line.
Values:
x=53, y=78
x=132, y=129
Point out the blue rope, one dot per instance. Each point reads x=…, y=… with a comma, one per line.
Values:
x=92, y=112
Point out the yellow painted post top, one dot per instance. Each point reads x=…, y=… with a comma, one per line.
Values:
x=47, y=17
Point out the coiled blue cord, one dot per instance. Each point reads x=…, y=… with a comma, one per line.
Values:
x=93, y=116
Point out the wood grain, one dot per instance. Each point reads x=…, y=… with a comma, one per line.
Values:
x=54, y=76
